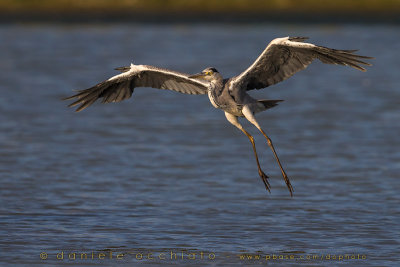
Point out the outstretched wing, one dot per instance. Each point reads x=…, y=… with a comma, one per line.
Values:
x=283, y=57
x=121, y=86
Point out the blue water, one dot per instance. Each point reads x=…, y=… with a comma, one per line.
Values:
x=164, y=174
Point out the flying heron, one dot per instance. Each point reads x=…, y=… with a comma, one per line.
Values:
x=282, y=58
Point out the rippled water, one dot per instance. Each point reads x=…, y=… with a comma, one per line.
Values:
x=166, y=173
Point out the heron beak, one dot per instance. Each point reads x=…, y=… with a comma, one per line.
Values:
x=197, y=75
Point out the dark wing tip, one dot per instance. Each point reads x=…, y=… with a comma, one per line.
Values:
x=366, y=57
x=110, y=91
x=68, y=98
x=82, y=107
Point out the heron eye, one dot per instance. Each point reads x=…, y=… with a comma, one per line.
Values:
x=209, y=72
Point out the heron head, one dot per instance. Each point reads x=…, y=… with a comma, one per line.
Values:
x=208, y=74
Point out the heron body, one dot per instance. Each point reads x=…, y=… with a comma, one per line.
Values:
x=221, y=97
x=282, y=58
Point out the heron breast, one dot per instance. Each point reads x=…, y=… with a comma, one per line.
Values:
x=213, y=99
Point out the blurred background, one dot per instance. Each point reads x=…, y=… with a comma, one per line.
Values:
x=232, y=11
x=166, y=173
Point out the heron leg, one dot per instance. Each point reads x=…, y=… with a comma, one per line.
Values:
x=248, y=114
x=233, y=119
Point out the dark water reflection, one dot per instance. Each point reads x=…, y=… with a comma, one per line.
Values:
x=166, y=172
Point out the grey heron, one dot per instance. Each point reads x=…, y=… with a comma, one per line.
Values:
x=282, y=58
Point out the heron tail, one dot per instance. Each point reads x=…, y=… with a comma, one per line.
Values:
x=269, y=103
x=264, y=104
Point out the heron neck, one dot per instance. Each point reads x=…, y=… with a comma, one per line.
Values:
x=218, y=81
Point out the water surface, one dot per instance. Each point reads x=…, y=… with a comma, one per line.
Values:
x=166, y=173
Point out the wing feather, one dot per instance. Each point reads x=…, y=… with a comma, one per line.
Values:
x=120, y=87
x=283, y=57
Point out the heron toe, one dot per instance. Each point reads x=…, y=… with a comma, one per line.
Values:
x=264, y=178
x=288, y=184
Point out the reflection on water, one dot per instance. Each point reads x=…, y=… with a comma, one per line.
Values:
x=166, y=172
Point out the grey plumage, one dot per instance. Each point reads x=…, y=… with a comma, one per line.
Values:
x=120, y=87
x=282, y=58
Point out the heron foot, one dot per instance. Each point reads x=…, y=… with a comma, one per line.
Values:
x=264, y=178
x=288, y=184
